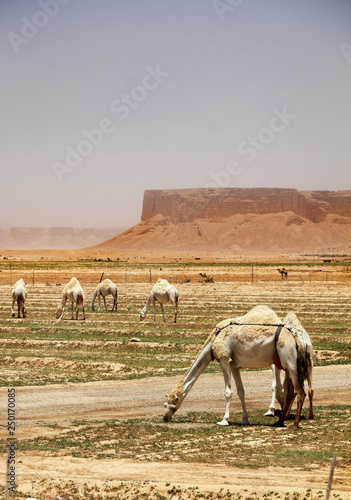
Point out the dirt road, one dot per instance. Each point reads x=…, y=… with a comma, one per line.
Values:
x=145, y=397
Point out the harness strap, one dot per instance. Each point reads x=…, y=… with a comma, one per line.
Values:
x=276, y=335
x=218, y=330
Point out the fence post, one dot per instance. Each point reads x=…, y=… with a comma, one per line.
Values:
x=150, y=276
x=252, y=274
x=10, y=274
x=330, y=480
x=33, y=277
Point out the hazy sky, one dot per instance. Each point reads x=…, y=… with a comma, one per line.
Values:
x=104, y=99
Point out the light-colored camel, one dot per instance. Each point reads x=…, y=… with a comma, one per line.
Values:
x=73, y=292
x=106, y=287
x=277, y=389
x=251, y=341
x=162, y=292
x=19, y=295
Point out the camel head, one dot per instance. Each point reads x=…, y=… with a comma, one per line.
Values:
x=172, y=404
x=142, y=315
x=58, y=312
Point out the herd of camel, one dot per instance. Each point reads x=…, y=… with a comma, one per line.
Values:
x=258, y=339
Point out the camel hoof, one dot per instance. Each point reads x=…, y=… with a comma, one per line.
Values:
x=244, y=422
x=279, y=423
x=293, y=426
x=223, y=422
x=270, y=413
x=13, y=315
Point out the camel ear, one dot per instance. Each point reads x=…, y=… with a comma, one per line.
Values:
x=166, y=396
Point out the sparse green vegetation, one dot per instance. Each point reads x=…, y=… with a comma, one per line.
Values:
x=38, y=351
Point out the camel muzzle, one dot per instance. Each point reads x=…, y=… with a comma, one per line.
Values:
x=167, y=416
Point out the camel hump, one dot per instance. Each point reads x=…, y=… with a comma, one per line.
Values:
x=260, y=314
x=162, y=283
x=292, y=320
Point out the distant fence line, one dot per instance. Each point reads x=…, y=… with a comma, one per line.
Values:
x=244, y=274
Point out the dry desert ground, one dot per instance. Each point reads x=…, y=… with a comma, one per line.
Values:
x=89, y=394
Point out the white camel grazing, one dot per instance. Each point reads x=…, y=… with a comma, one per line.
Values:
x=277, y=389
x=73, y=292
x=19, y=295
x=106, y=287
x=251, y=341
x=162, y=292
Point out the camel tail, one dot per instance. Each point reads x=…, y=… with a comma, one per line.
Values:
x=304, y=363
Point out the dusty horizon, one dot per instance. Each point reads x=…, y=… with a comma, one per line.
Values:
x=106, y=100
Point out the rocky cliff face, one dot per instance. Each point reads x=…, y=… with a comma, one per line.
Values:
x=240, y=220
x=189, y=204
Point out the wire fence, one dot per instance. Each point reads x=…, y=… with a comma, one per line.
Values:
x=238, y=274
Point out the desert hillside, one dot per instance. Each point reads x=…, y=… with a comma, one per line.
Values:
x=239, y=220
x=54, y=238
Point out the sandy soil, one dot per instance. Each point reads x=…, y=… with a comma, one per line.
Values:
x=153, y=256
x=139, y=398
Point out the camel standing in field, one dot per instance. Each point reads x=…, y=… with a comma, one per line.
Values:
x=162, y=292
x=19, y=295
x=283, y=272
x=253, y=341
x=278, y=392
x=106, y=287
x=73, y=292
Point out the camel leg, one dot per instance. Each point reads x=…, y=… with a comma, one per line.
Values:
x=277, y=392
x=83, y=309
x=241, y=393
x=72, y=312
x=18, y=307
x=310, y=393
x=228, y=390
x=280, y=396
x=276, y=376
x=175, y=310
x=163, y=313
x=289, y=399
x=310, y=397
x=99, y=302
x=299, y=391
x=104, y=303
x=13, y=314
x=23, y=309
x=116, y=300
